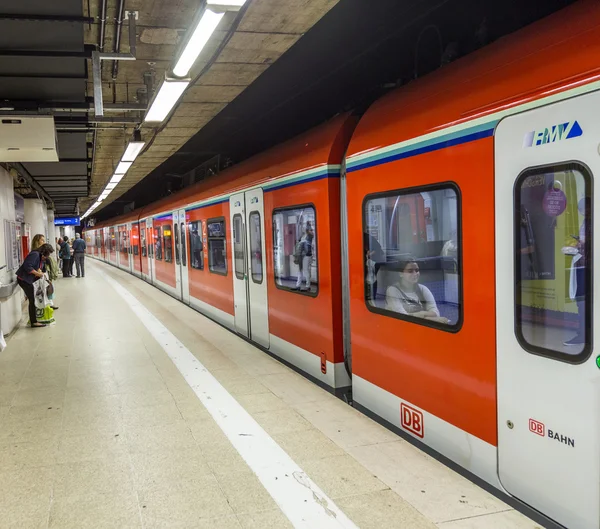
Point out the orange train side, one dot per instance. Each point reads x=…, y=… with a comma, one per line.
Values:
x=453, y=375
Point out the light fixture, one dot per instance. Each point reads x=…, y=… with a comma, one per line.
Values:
x=226, y=3
x=110, y=187
x=116, y=178
x=123, y=167
x=167, y=96
x=206, y=26
x=133, y=148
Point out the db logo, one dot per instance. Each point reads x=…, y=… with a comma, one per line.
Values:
x=411, y=420
x=537, y=427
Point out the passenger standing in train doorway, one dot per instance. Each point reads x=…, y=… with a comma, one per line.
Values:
x=79, y=247
x=303, y=258
x=374, y=256
x=580, y=263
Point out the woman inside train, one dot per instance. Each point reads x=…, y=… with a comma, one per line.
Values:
x=408, y=297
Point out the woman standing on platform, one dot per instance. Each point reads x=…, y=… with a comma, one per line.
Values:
x=51, y=265
x=32, y=270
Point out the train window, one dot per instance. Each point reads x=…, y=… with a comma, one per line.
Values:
x=183, y=246
x=135, y=243
x=553, y=254
x=217, y=253
x=196, y=246
x=158, y=244
x=143, y=241
x=256, y=261
x=411, y=255
x=295, y=249
x=168, y=243
x=177, y=259
x=238, y=246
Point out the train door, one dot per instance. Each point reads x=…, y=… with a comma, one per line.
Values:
x=130, y=242
x=548, y=373
x=150, y=241
x=179, y=227
x=249, y=263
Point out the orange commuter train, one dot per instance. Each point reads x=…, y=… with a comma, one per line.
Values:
x=433, y=258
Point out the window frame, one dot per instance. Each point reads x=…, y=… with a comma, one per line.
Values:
x=242, y=243
x=404, y=191
x=175, y=240
x=588, y=178
x=262, y=272
x=209, y=238
x=164, y=241
x=287, y=208
x=200, y=233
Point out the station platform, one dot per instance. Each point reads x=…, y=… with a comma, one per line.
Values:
x=135, y=411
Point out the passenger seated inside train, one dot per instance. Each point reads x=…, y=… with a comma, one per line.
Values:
x=408, y=297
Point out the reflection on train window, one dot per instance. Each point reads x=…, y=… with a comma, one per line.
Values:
x=196, y=245
x=256, y=262
x=411, y=255
x=183, y=246
x=295, y=249
x=177, y=259
x=158, y=245
x=143, y=241
x=238, y=246
x=123, y=241
x=168, y=243
x=217, y=254
x=553, y=248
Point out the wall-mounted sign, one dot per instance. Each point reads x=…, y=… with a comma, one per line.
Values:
x=66, y=221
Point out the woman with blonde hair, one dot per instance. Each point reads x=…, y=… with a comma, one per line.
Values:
x=51, y=266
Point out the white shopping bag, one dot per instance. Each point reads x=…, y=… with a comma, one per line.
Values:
x=573, y=278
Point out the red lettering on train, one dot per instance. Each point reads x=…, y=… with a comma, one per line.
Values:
x=412, y=420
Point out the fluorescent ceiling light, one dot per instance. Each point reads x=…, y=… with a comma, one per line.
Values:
x=110, y=187
x=232, y=3
x=205, y=28
x=166, y=98
x=123, y=167
x=133, y=149
x=116, y=179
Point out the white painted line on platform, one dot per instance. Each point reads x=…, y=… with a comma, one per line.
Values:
x=300, y=499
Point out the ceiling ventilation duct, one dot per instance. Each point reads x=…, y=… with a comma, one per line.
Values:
x=28, y=139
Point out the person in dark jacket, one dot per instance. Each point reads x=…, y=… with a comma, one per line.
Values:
x=65, y=255
x=79, y=254
x=31, y=270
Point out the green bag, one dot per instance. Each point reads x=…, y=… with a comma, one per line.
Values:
x=45, y=315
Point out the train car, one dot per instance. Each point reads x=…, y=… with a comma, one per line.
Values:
x=471, y=191
x=245, y=247
x=447, y=266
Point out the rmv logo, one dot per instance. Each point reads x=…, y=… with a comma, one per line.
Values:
x=562, y=131
x=412, y=420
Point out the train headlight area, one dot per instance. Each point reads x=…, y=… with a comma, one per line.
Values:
x=394, y=280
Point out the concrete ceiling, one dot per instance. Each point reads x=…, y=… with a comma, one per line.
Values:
x=243, y=47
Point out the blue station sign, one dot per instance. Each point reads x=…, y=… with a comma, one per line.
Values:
x=67, y=221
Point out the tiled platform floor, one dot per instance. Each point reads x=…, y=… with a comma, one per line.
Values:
x=98, y=429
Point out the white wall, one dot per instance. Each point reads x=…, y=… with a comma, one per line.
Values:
x=36, y=215
x=11, y=308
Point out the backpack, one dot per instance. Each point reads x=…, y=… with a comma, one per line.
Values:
x=298, y=252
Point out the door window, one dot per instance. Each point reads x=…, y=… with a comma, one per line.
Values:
x=217, y=253
x=196, y=245
x=183, y=246
x=177, y=260
x=168, y=243
x=238, y=246
x=553, y=254
x=143, y=241
x=256, y=257
x=295, y=249
x=411, y=255
x=158, y=243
